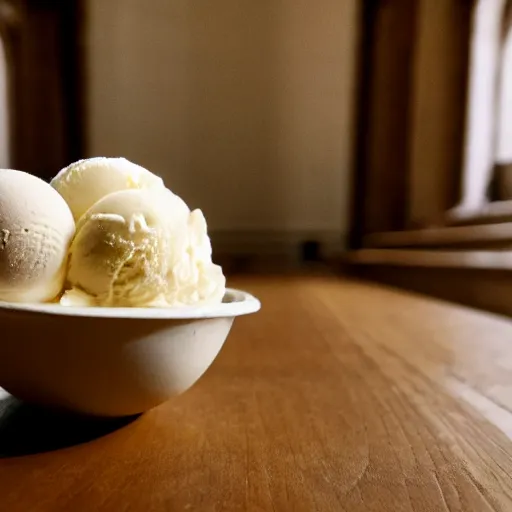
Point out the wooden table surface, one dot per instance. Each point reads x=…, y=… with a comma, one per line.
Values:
x=338, y=396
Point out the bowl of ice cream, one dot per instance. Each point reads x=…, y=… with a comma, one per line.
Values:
x=111, y=361
x=110, y=303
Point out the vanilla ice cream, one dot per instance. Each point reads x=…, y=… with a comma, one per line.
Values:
x=36, y=229
x=142, y=248
x=85, y=182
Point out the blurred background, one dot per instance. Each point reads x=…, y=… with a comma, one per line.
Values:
x=302, y=129
x=244, y=108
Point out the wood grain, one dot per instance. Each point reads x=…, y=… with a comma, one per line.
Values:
x=338, y=396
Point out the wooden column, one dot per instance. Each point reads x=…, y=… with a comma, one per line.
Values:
x=438, y=107
x=384, y=133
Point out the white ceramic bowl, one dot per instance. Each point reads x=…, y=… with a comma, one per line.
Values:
x=111, y=361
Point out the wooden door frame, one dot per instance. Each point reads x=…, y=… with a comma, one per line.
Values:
x=10, y=26
x=17, y=17
x=397, y=181
x=366, y=24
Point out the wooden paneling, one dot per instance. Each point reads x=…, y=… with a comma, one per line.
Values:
x=413, y=79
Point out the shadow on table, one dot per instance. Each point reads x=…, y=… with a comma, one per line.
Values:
x=26, y=429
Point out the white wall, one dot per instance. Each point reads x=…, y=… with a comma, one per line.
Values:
x=245, y=107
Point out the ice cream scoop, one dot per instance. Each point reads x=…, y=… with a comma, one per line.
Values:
x=36, y=229
x=85, y=182
x=142, y=248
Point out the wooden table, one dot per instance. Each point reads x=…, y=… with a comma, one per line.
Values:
x=338, y=396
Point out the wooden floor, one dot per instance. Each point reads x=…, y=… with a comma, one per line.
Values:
x=337, y=396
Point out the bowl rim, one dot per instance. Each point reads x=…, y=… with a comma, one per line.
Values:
x=235, y=303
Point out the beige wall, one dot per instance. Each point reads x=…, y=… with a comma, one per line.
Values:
x=245, y=107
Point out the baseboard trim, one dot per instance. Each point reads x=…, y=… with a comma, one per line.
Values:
x=469, y=259
x=484, y=235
